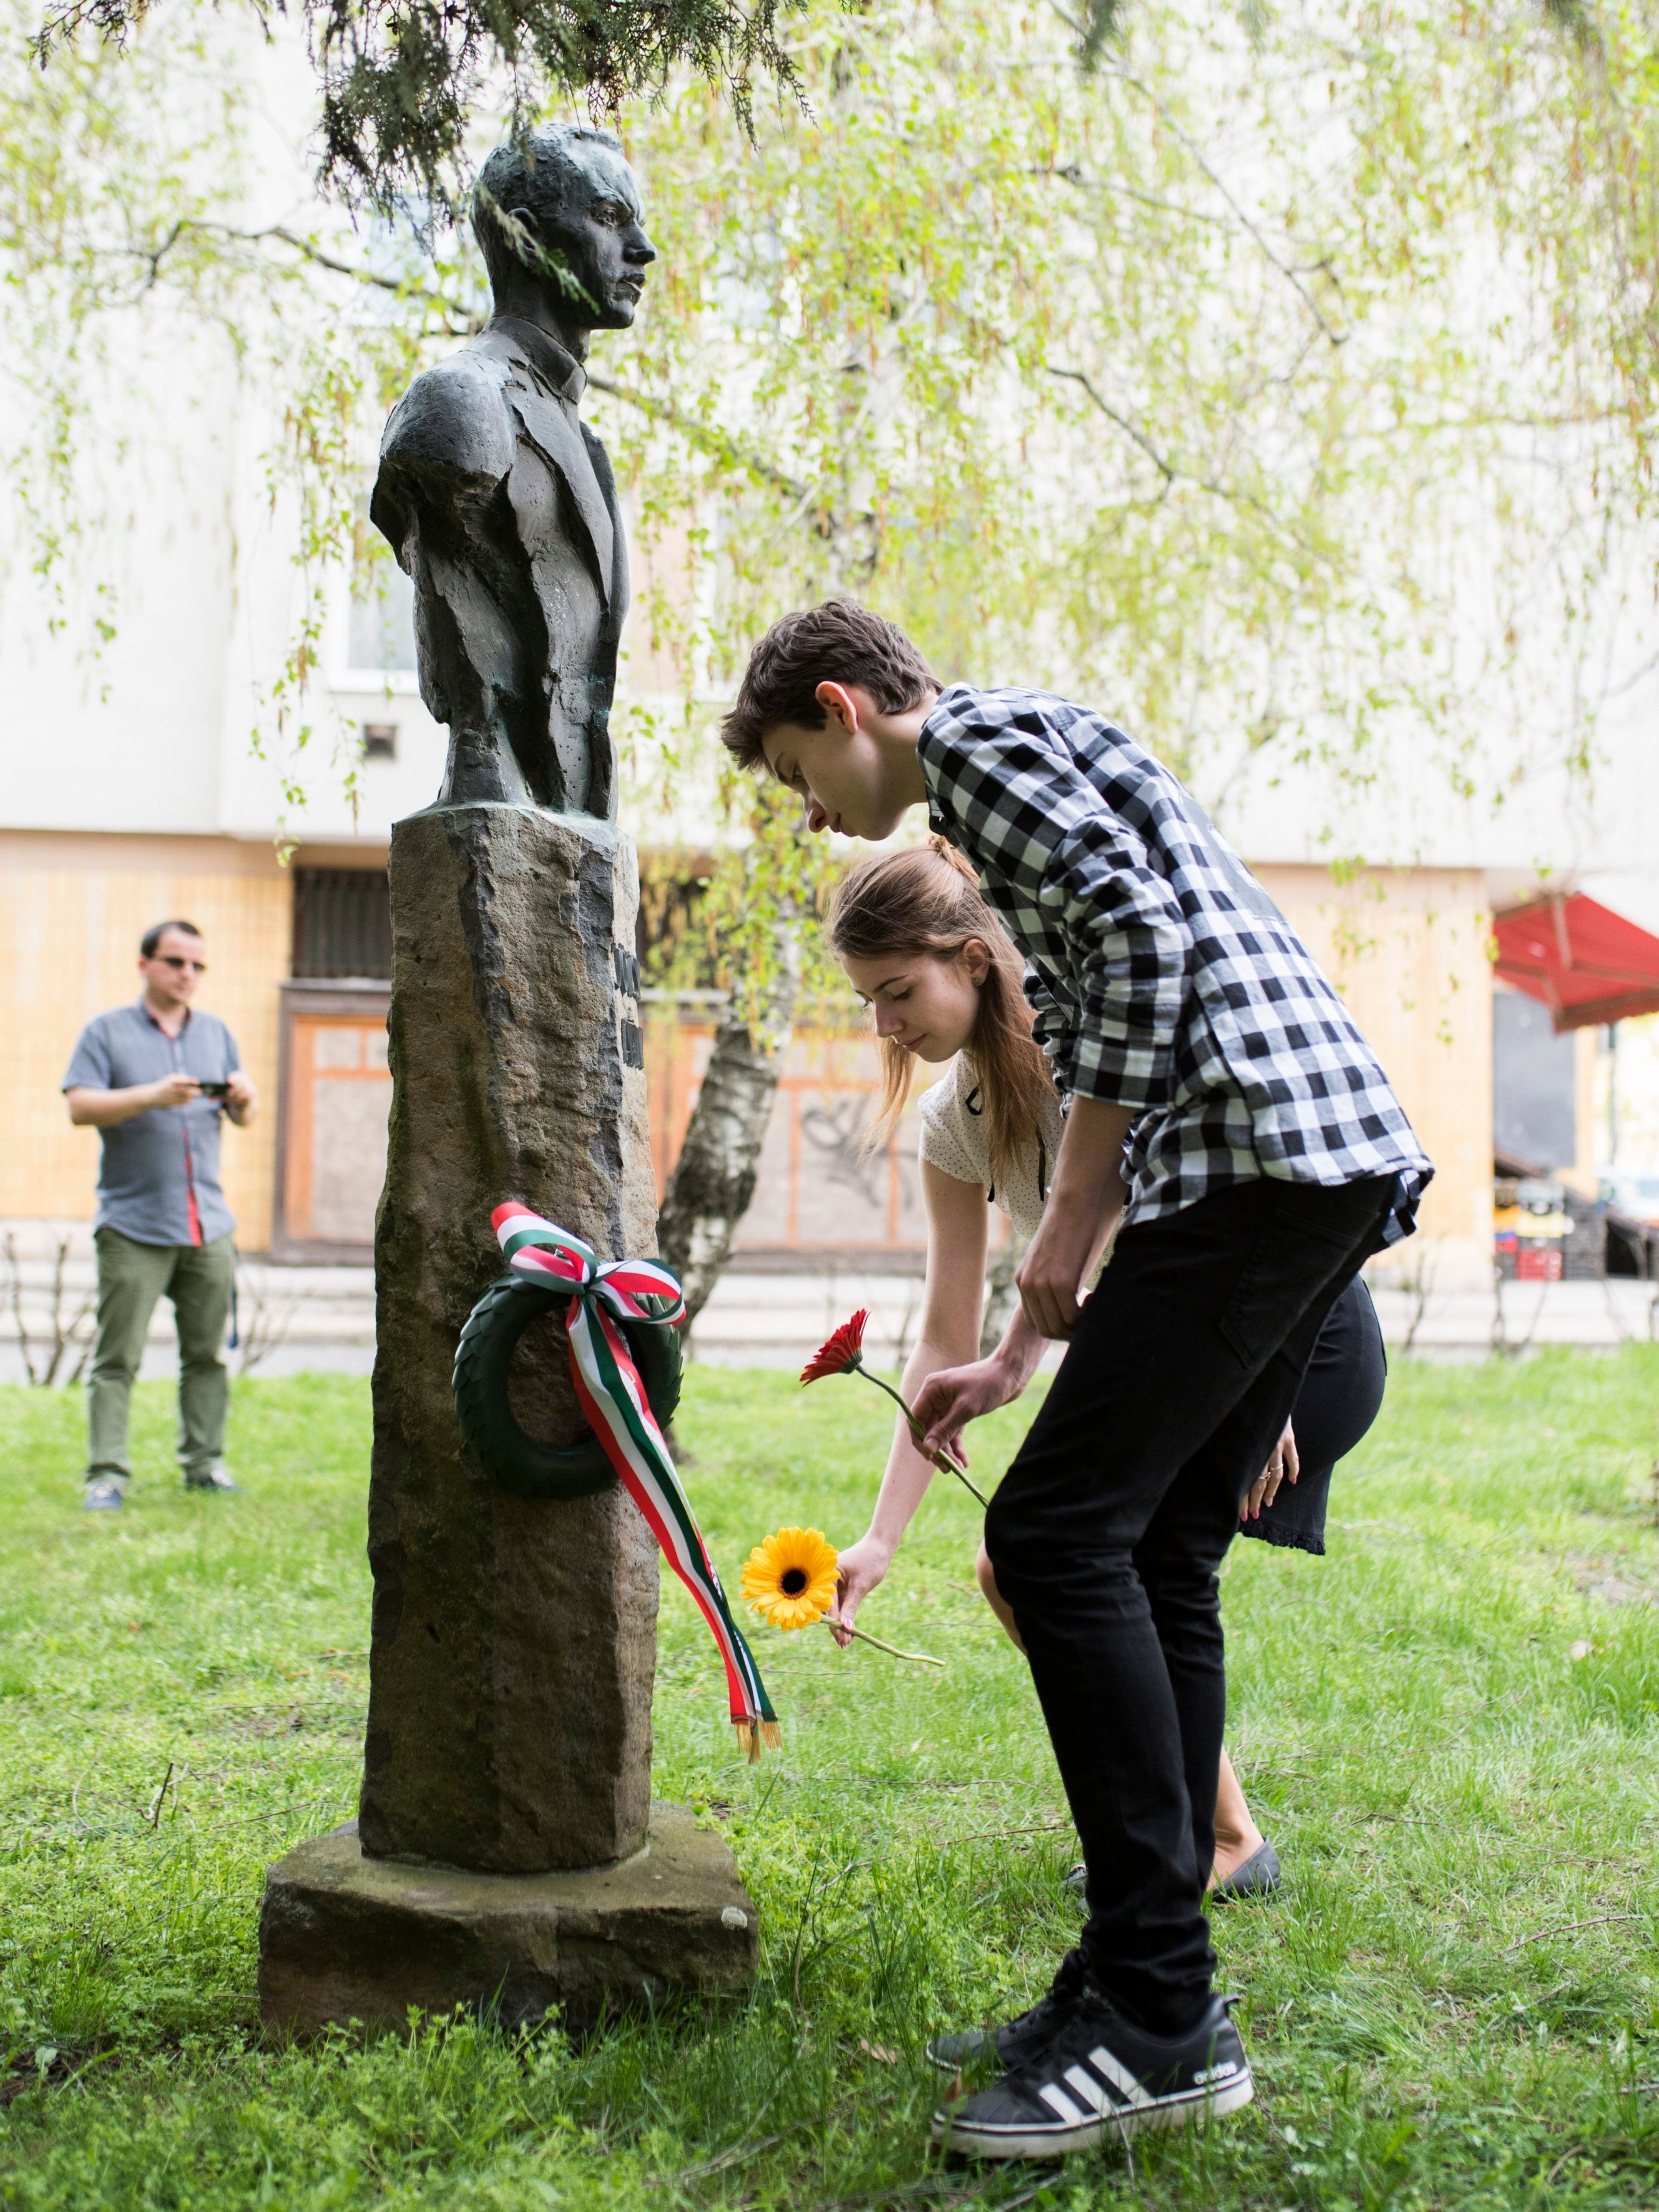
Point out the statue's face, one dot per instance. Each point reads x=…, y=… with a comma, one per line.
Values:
x=591, y=216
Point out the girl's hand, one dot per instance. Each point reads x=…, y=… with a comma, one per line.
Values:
x=1263, y=1491
x=953, y=1396
x=862, y=1566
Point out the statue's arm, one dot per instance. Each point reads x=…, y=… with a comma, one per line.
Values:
x=601, y=785
x=441, y=500
x=448, y=443
x=617, y=593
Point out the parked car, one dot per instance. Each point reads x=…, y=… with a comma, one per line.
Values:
x=1630, y=1209
x=1633, y=1194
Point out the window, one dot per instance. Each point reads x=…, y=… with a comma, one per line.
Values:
x=383, y=619
x=379, y=741
x=342, y=922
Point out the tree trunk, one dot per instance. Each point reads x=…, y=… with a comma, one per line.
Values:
x=714, y=1181
x=1001, y=1295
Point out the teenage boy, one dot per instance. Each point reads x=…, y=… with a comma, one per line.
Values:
x=1228, y=1124
x=156, y=1078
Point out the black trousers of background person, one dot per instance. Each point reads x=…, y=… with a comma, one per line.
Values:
x=1108, y=1527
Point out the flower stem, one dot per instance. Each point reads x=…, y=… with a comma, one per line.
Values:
x=940, y=1459
x=864, y=1637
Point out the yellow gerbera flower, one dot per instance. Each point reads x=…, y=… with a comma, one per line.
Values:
x=790, y=1579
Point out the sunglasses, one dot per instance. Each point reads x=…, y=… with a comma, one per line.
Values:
x=178, y=960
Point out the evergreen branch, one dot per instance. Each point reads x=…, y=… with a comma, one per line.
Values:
x=399, y=76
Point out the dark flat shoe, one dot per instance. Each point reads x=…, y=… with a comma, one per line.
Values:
x=1259, y=1876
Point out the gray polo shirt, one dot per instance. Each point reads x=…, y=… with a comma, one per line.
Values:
x=154, y=1164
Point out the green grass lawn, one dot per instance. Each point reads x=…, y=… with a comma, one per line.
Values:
x=1448, y=1727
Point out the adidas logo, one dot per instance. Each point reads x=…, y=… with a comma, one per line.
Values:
x=1224, y=2072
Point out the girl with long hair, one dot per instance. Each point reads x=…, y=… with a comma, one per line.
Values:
x=927, y=954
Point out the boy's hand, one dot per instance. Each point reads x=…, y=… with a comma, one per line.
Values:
x=1084, y=1203
x=862, y=1566
x=953, y=1396
x=1056, y=1260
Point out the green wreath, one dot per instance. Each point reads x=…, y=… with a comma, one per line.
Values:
x=517, y=1460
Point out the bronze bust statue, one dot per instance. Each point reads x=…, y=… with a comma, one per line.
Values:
x=499, y=501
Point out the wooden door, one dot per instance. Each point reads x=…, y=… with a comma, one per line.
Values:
x=339, y=1093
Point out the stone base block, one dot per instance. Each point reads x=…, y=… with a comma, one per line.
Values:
x=344, y=1938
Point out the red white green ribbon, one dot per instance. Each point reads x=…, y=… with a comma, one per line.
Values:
x=614, y=1400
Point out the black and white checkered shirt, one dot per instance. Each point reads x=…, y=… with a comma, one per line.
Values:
x=1163, y=977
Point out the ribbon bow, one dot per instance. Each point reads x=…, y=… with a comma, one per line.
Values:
x=614, y=1400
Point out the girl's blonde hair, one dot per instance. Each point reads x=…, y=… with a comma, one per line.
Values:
x=928, y=900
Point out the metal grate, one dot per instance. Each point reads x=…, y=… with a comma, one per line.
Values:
x=342, y=922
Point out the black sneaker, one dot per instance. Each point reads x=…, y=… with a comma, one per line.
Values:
x=212, y=1478
x=1020, y=2039
x=1102, y=2078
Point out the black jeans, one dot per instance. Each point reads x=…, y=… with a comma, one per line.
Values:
x=1107, y=1529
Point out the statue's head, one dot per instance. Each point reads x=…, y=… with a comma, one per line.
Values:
x=561, y=203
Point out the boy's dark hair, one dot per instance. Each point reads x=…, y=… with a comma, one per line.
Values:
x=840, y=642
x=153, y=936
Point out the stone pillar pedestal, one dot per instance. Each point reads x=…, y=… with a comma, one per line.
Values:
x=345, y=1937
x=514, y=1643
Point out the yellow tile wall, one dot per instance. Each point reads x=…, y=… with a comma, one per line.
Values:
x=72, y=910
x=1407, y=949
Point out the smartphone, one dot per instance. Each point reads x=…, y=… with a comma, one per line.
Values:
x=214, y=1089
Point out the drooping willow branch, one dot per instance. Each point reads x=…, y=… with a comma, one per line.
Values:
x=398, y=77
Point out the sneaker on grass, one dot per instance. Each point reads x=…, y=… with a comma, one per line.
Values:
x=1100, y=2078
x=102, y=1494
x=212, y=1478
x=1020, y=2039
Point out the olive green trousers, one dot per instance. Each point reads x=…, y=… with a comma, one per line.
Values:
x=131, y=1276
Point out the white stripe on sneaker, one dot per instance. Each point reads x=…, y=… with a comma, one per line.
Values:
x=1114, y=2071
x=1087, y=2088
x=1056, y=2098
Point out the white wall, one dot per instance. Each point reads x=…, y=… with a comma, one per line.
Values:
x=156, y=734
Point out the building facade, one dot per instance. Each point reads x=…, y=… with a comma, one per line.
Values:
x=167, y=775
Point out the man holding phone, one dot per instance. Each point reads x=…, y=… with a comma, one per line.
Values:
x=157, y=1078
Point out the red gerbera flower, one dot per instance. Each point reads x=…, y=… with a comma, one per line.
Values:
x=844, y=1355
x=841, y=1354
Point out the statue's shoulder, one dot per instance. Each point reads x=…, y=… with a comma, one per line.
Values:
x=454, y=415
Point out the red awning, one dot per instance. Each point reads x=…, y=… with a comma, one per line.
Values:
x=1586, y=962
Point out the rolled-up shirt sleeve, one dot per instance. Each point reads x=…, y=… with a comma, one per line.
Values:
x=1163, y=978
x=1130, y=950
x=1051, y=1025
x=1129, y=947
